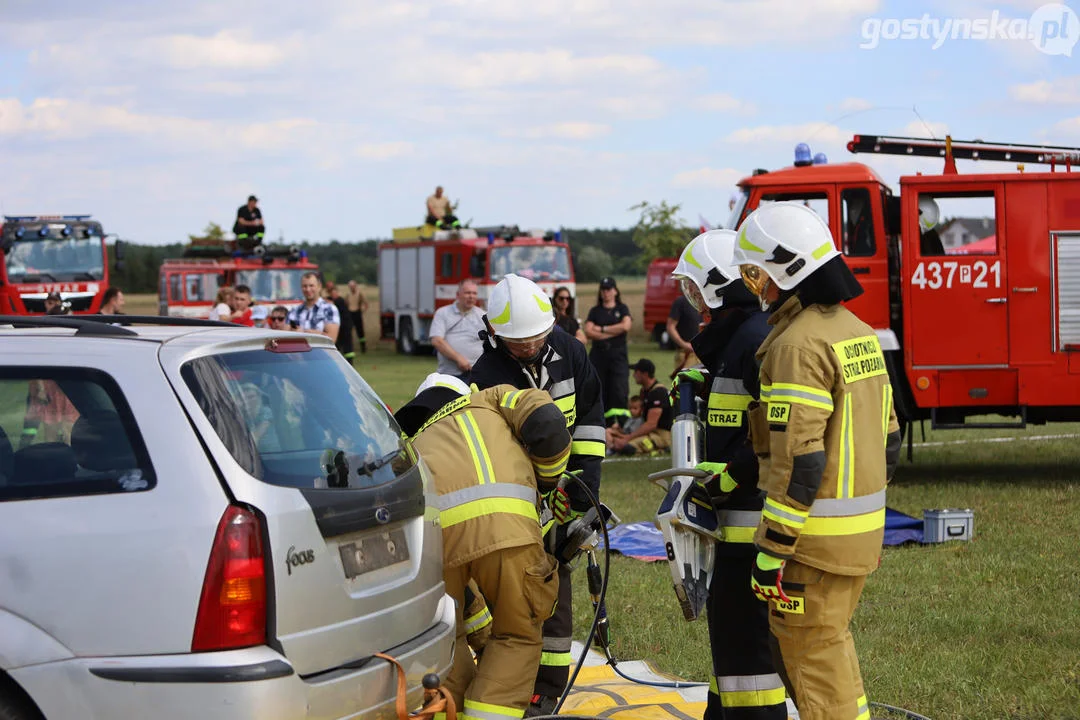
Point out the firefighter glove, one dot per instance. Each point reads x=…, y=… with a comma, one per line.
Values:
x=559, y=502
x=765, y=578
x=699, y=379
x=719, y=484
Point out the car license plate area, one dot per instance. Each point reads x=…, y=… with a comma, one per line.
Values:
x=374, y=552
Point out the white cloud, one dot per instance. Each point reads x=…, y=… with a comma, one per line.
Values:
x=773, y=134
x=227, y=50
x=708, y=177
x=564, y=130
x=854, y=104
x=1059, y=91
x=385, y=150
x=724, y=103
x=927, y=129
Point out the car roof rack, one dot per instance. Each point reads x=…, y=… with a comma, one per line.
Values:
x=112, y=325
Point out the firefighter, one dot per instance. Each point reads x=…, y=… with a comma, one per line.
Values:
x=827, y=440
x=488, y=451
x=524, y=348
x=745, y=684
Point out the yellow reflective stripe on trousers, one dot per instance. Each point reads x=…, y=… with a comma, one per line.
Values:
x=864, y=709
x=798, y=394
x=751, y=690
x=556, y=659
x=479, y=620
x=738, y=526
x=886, y=406
x=510, y=399
x=476, y=710
x=848, y=516
x=472, y=502
x=481, y=460
x=589, y=440
x=784, y=514
x=844, y=482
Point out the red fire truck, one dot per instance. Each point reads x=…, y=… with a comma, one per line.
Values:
x=660, y=292
x=971, y=326
x=187, y=286
x=420, y=268
x=53, y=253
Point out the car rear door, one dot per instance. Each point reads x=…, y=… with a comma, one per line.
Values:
x=355, y=555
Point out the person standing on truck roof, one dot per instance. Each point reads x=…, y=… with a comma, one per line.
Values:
x=439, y=211
x=455, y=332
x=606, y=325
x=745, y=683
x=523, y=347
x=827, y=439
x=249, y=228
x=490, y=454
x=316, y=315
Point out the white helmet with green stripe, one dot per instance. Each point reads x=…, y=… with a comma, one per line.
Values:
x=787, y=240
x=445, y=381
x=706, y=267
x=519, y=310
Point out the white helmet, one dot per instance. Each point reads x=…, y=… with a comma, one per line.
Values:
x=929, y=213
x=443, y=380
x=786, y=240
x=706, y=267
x=519, y=310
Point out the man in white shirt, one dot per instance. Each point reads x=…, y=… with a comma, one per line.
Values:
x=455, y=332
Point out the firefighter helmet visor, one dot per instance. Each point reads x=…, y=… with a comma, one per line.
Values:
x=692, y=292
x=527, y=349
x=755, y=279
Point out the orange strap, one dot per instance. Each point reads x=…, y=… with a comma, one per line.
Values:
x=435, y=701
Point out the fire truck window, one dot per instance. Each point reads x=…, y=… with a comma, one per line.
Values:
x=965, y=224
x=858, y=226
x=476, y=265
x=176, y=288
x=816, y=201
x=194, y=287
x=449, y=265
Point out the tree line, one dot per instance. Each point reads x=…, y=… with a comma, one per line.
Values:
x=596, y=252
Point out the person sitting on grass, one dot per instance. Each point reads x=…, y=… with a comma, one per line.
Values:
x=627, y=425
x=654, y=435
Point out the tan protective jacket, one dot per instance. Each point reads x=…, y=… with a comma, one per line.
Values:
x=827, y=439
x=486, y=452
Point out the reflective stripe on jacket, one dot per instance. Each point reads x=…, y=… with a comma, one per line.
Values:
x=486, y=456
x=820, y=431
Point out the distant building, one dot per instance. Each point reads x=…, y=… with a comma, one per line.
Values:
x=963, y=231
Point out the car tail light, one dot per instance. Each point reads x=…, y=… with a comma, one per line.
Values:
x=232, y=608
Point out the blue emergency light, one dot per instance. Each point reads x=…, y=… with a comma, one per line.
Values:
x=43, y=231
x=491, y=238
x=802, y=155
x=820, y=159
x=19, y=232
x=66, y=232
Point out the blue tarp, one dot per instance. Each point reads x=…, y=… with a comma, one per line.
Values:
x=642, y=541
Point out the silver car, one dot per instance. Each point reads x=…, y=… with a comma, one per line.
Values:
x=207, y=522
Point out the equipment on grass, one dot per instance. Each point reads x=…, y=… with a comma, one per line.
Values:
x=686, y=516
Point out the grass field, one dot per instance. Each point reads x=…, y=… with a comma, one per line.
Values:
x=985, y=629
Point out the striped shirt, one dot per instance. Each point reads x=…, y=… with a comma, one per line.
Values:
x=315, y=317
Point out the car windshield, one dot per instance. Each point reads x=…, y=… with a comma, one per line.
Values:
x=299, y=419
x=536, y=262
x=269, y=284
x=737, y=210
x=55, y=260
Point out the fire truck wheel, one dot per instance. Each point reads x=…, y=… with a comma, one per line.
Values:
x=406, y=342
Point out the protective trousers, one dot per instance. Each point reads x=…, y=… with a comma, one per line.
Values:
x=817, y=653
x=555, y=662
x=745, y=685
x=520, y=585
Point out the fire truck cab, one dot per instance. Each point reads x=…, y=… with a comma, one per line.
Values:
x=420, y=269
x=188, y=286
x=53, y=253
x=976, y=315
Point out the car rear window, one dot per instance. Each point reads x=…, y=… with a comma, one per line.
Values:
x=67, y=432
x=298, y=419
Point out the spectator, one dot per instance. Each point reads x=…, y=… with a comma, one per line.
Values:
x=278, y=318
x=249, y=228
x=112, y=302
x=565, y=315
x=627, y=426
x=316, y=316
x=55, y=305
x=344, y=339
x=222, y=309
x=455, y=332
x=655, y=433
x=241, y=305
x=259, y=313
x=606, y=325
x=357, y=305
x=682, y=325
x=439, y=211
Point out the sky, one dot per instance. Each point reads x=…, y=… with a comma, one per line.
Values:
x=343, y=115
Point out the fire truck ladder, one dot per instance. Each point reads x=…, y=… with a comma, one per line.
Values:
x=966, y=150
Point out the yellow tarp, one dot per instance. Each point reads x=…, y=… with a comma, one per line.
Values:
x=599, y=691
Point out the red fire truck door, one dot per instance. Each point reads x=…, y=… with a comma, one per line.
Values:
x=959, y=313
